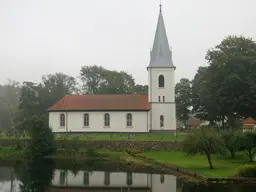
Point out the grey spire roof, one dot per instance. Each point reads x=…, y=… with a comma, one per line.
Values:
x=161, y=55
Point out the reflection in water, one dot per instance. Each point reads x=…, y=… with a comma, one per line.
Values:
x=110, y=181
x=42, y=176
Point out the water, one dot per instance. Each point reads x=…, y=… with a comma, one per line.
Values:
x=69, y=176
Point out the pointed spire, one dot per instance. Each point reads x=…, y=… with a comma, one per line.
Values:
x=161, y=55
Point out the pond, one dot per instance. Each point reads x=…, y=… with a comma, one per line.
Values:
x=70, y=176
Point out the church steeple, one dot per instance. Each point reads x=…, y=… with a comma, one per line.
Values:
x=161, y=55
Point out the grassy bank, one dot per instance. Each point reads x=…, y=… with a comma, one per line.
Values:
x=223, y=166
x=11, y=153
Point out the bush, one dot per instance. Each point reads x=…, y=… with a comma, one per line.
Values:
x=248, y=144
x=42, y=139
x=246, y=171
x=232, y=141
x=204, y=141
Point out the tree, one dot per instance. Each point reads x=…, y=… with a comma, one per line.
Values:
x=92, y=78
x=28, y=105
x=9, y=101
x=35, y=175
x=98, y=80
x=42, y=139
x=204, y=141
x=234, y=60
x=183, y=98
x=226, y=89
x=248, y=144
x=35, y=98
x=231, y=141
x=54, y=87
x=204, y=98
x=140, y=89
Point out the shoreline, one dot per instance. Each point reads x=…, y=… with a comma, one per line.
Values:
x=135, y=162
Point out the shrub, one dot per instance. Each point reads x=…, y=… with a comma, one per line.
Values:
x=231, y=140
x=246, y=171
x=42, y=139
x=248, y=144
x=204, y=141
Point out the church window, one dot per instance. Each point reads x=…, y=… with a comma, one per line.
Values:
x=129, y=178
x=159, y=98
x=162, y=178
x=86, y=120
x=106, y=120
x=163, y=98
x=107, y=178
x=161, y=81
x=129, y=120
x=161, y=121
x=62, y=177
x=62, y=120
x=86, y=178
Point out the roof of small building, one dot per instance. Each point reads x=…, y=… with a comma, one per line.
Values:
x=194, y=122
x=102, y=102
x=249, y=120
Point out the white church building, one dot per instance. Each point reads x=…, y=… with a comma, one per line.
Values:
x=150, y=112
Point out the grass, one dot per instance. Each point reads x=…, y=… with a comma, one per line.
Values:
x=125, y=136
x=11, y=153
x=223, y=166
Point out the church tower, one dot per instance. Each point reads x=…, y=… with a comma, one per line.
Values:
x=161, y=94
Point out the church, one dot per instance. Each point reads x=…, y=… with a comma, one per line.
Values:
x=131, y=113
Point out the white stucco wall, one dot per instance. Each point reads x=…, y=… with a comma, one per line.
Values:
x=75, y=122
x=168, y=111
x=118, y=180
x=167, y=107
x=168, y=90
x=97, y=178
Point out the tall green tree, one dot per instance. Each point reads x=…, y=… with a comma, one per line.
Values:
x=9, y=102
x=98, y=80
x=183, y=99
x=225, y=89
x=35, y=98
x=233, y=62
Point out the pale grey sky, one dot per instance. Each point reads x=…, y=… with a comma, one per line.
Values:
x=46, y=36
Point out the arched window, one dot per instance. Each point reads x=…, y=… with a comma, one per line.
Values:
x=107, y=178
x=86, y=178
x=106, y=120
x=161, y=81
x=162, y=178
x=163, y=98
x=161, y=121
x=86, y=120
x=159, y=98
x=129, y=120
x=62, y=120
x=129, y=178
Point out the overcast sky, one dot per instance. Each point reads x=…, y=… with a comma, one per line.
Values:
x=39, y=37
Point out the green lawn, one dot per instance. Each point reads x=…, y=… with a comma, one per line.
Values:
x=11, y=153
x=125, y=136
x=223, y=166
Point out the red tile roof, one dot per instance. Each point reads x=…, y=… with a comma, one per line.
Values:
x=249, y=121
x=102, y=102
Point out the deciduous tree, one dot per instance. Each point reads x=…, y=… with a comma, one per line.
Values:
x=183, y=99
x=204, y=141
